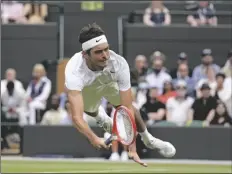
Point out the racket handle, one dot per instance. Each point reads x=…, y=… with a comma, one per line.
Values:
x=109, y=140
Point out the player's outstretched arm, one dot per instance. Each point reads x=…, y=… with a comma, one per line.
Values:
x=126, y=100
x=76, y=103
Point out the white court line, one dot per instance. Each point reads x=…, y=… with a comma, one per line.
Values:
x=102, y=160
x=106, y=171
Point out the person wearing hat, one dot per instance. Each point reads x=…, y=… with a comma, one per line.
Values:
x=203, y=108
x=227, y=69
x=154, y=109
x=210, y=80
x=179, y=106
x=199, y=72
x=182, y=59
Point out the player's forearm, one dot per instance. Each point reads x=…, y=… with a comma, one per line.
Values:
x=83, y=127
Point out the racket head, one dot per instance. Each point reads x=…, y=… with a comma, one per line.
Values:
x=131, y=126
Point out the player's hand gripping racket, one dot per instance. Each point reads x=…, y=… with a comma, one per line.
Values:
x=124, y=127
x=124, y=130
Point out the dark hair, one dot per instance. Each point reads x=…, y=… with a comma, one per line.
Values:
x=10, y=87
x=221, y=75
x=89, y=32
x=172, y=87
x=219, y=102
x=148, y=92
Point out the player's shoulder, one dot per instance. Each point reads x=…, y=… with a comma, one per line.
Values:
x=74, y=64
x=116, y=56
x=117, y=59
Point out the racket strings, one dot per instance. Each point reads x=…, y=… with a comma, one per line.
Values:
x=125, y=128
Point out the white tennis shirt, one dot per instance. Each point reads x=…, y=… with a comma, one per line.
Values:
x=78, y=75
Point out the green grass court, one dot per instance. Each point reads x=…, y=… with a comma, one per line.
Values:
x=32, y=166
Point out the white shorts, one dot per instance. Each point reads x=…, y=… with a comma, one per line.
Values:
x=92, y=95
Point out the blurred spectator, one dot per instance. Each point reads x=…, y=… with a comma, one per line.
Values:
x=36, y=13
x=138, y=74
x=54, y=115
x=168, y=92
x=157, y=76
x=12, y=12
x=183, y=74
x=67, y=120
x=63, y=100
x=10, y=75
x=204, y=15
x=140, y=97
x=157, y=14
x=210, y=80
x=38, y=92
x=199, y=71
x=203, y=108
x=154, y=109
x=157, y=55
x=13, y=104
x=224, y=91
x=221, y=116
x=178, y=108
x=182, y=59
x=227, y=69
x=191, y=5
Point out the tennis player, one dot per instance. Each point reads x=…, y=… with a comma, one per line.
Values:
x=98, y=72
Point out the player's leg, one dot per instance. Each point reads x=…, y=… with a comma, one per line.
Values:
x=165, y=148
x=92, y=107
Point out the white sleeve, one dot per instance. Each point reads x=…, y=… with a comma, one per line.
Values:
x=169, y=104
x=124, y=76
x=169, y=78
x=73, y=81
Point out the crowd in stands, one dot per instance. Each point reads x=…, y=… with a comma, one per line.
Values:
x=201, y=13
x=23, y=13
x=181, y=95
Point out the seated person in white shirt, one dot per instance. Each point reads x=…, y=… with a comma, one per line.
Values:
x=224, y=91
x=178, y=107
x=54, y=115
x=157, y=75
x=10, y=75
x=13, y=104
x=38, y=92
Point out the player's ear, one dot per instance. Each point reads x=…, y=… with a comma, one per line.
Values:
x=84, y=54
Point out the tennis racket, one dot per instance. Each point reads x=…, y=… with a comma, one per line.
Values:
x=124, y=127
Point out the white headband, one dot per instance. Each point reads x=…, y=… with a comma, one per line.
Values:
x=94, y=42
